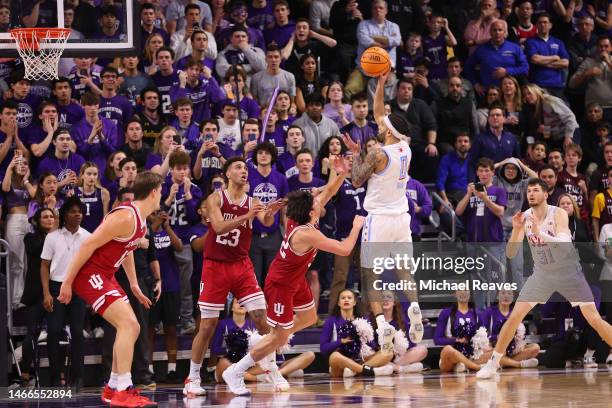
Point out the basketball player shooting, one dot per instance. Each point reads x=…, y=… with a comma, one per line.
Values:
x=287, y=290
x=92, y=276
x=556, y=269
x=388, y=222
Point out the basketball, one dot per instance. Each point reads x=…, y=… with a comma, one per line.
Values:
x=375, y=61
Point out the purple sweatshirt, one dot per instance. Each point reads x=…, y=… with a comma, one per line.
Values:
x=99, y=150
x=164, y=84
x=249, y=108
x=493, y=320
x=119, y=110
x=417, y=194
x=203, y=95
x=328, y=340
x=69, y=114
x=211, y=165
x=190, y=135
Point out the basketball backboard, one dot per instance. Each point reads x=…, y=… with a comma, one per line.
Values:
x=90, y=39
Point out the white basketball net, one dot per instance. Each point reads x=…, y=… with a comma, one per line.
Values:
x=40, y=49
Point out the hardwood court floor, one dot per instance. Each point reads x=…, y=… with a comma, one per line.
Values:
x=512, y=388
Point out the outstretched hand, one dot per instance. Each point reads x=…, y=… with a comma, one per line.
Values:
x=274, y=206
x=341, y=165
x=355, y=148
x=518, y=220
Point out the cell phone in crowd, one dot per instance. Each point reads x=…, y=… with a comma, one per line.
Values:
x=208, y=137
x=83, y=72
x=252, y=137
x=479, y=187
x=217, y=185
x=195, y=26
x=177, y=139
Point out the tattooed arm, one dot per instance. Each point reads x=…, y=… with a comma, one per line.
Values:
x=365, y=166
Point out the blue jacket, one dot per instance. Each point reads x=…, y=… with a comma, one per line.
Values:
x=541, y=75
x=452, y=173
x=508, y=55
x=486, y=144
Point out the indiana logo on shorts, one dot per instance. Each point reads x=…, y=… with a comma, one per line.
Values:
x=279, y=309
x=96, y=282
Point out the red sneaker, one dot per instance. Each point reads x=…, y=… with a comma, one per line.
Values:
x=108, y=393
x=131, y=398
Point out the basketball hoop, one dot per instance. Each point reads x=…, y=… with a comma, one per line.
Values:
x=40, y=49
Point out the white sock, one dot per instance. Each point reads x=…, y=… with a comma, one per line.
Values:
x=245, y=363
x=112, y=382
x=171, y=366
x=496, y=358
x=124, y=381
x=151, y=368
x=194, y=371
x=589, y=353
x=380, y=320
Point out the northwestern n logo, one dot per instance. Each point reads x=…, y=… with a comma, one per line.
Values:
x=279, y=309
x=96, y=282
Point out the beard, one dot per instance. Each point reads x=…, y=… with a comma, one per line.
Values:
x=381, y=137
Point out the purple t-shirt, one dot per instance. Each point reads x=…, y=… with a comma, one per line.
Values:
x=69, y=115
x=295, y=183
x=181, y=64
x=79, y=89
x=60, y=167
x=405, y=62
x=360, y=134
x=119, y=110
x=279, y=34
x=285, y=123
x=27, y=113
x=435, y=51
x=153, y=159
x=183, y=213
x=285, y=164
x=163, y=84
x=93, y=209
x=481, y=224
x=348, y=204
x=332, y=113
x=267, y=189
x=249, y=108
x=277, y=138
x=167, y=262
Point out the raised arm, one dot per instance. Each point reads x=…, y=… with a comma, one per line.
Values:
x=379, y=100
x=337, y=175
x=315, y=238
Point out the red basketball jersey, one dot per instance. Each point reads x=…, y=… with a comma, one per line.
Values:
x=108, y=258
x=233, y=245
x=288, y=264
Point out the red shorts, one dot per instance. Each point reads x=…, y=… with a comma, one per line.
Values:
x=221, y=278
x=284, y=299
x=98, y=290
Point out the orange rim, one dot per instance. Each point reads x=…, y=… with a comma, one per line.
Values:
x=24, y=36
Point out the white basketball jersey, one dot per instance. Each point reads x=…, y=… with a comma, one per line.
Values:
x=386, y=192
x=549, y=257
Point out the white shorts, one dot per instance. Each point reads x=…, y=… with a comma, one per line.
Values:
x=385, y=236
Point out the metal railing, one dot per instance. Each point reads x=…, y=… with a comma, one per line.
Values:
x=502, y=270
x=442, y=235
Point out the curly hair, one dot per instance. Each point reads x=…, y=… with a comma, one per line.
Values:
x=299, y=206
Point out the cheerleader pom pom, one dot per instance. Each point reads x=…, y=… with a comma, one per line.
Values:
x=237, y=344
x=286, y=347
x=480, y=343
x=519, y=339
x=400, y=343
x=366, y=351
x=350, y=349
x=254, y=338
x=364, y=329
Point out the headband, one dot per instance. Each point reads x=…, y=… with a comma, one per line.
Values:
x=392, y=129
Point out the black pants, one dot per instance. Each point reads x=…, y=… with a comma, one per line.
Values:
x=140, y=363
x=423, y=167
x=262, y=252
x=556, y=355
x=76, y=312
x=34, y=317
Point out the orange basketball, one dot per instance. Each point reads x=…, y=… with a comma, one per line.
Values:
x=375, y=61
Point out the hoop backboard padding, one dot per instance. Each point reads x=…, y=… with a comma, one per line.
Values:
x=40, y=49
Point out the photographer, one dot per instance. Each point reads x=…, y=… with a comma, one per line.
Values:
x=482, y=209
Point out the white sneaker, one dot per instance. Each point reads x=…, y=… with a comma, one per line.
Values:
x=411, y=368
x=609, y=359
x=296, y=374
x=42, y=336
x=384, y=370
x=416, y=331
x=192, y=388
x=348, y=373
x=589, y=362
x=235, y=381
x=278, y=381
x=98, y=332
x=460, y=368
x=385, y=337
x=530, y=363
x=486, y=371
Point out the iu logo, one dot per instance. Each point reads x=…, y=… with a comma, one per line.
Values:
x=279, y=309
x=96, y=282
